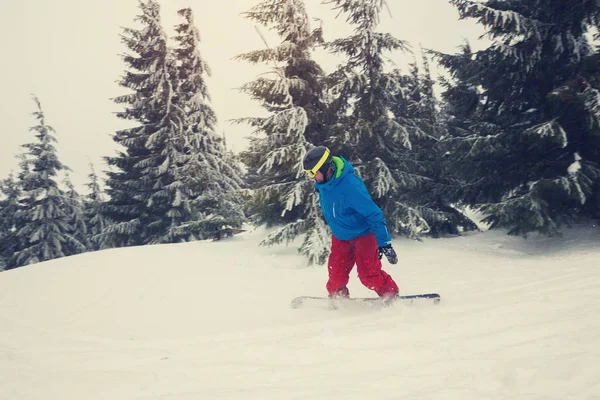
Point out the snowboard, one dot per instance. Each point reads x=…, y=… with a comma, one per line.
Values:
x=302, y=301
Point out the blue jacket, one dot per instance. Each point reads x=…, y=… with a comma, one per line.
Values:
x=348, y=207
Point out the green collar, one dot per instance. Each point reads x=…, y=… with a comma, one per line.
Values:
x=339, y=166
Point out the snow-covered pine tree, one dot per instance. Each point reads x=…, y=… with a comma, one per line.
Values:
x=590, y=98
x=74, y=208
x=211, y=178
x=430, y=198
x=92, y=210
x=379, y=142
x=293, y=98
x=43, y=227
x=148, y=199
x=10, y=193
x=525, y=131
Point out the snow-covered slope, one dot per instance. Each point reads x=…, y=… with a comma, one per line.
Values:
x=211, y=320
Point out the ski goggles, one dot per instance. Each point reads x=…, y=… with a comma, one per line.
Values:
x=313, y=172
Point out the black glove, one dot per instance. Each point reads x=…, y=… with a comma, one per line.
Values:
x=390, y=254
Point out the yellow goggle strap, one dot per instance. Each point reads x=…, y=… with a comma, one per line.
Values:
x=313, y=172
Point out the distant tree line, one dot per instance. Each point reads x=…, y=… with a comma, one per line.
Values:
x=513, y=134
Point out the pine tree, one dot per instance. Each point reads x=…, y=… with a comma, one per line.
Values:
x=383, y=126
x=10, y=193
x=43, y=229
x=430, y=210
x=525, y=131
x=129, y=185
x=293, y=98
x=148, y=199
x=211, y=177
x=74, y=208
x=92, y=211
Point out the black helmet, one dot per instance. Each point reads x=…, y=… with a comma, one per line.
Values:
x=317, y=159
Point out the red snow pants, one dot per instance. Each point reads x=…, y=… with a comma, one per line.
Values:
x=362, y=251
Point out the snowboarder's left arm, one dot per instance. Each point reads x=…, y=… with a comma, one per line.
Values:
x=363, y=204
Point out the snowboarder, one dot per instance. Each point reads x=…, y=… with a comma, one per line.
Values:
x=360, y=233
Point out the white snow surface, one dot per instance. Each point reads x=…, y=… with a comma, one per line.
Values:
x=519, y=319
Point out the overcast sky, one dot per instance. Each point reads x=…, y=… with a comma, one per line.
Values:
x=66, y=52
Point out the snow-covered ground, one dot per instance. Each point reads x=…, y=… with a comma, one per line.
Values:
x=212, y=320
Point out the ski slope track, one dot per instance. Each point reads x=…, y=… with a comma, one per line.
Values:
x=519, y=319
